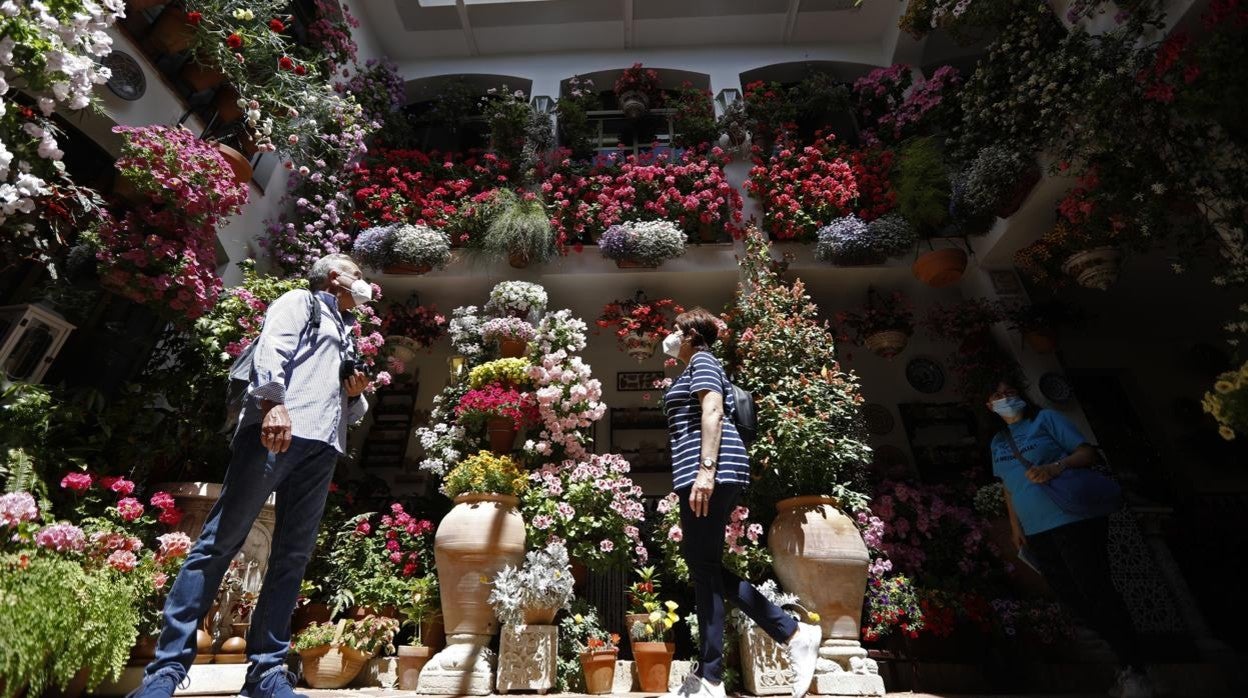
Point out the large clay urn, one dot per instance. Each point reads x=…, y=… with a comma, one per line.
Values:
x=820, y=556
x=482, y=534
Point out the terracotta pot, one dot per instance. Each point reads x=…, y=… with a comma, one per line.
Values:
x=599, y=670
x=940, y=268
x=331, y=666
x=144, y=651
x=199, y=77
x=233, y=645
x=1041, y=340
x=887, y=343
x=819, y=555
x=1096, y=268
x=203, y=641
x=635, y=104
x=134, y=7
x=540, y=616
x=706, y=233
x=238, y=162
x=633, y=264
x=171, y=33
x=1010, y=206
x=640, y=346
x=519, y=260
x=512, y=348
x=433, y=634
x=226, y=104
x=362, y=612
x=411, y=660
x=654, y=664
x=482, y=534
x=407, y=268
x=307, y=615
x=502, y=433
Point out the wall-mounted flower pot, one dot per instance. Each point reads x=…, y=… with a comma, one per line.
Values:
x=887, y=343
x=518, y=260
x=940, y=268
x=238, y=162
x=599, y=670
x=200, y=77
x=634, y=264
x=1096, y=268
x=1030, y=178
x=171, y=33
x=512, y=348
x=640, y=346
x=635, y=104
x=226, y=104
x=407, y=268
x=502, y=433
x=1042, y=340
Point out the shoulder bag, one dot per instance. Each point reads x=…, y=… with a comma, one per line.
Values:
x=1081, y=492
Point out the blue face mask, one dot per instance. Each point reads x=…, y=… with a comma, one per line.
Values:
x=1009, y=406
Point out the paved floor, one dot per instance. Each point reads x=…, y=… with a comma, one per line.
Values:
x=389, y=693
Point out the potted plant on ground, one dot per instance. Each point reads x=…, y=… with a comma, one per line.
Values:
x=510, y=333
x=520, y=231
x=334, y=653
x=764, y=664
x=374, y=560
x=639, y=90
x=642, y=245
x=651, y=647
x=852, y=242
x=595, y=649
x=643, y=594
x=884, y=326
x=640, y=323
x=421, y=602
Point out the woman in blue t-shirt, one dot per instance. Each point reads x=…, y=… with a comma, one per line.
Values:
x=710, y=468
x=1072, y=552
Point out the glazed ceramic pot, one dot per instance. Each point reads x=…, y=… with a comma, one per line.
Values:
x=1096, y=268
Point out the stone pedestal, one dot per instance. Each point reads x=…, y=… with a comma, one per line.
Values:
x=464, y=668
x=625, y=678
x=679, y=672
x=861, y=679
x=526, y=658
x=764, y=666
x=380, y=672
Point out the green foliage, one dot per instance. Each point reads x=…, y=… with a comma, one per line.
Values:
x=360, y=572
x=809, y=441
x=694, y=122
x=576, y=629
x=923, y=186
x=507, y=113
x=520, y=227
x=421, y=603
x=58, y=619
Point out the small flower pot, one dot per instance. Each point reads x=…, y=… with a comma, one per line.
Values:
x=238, y=162
x=512, y=348
x=599, y=670
x=540, y=616
x=226, y=104
x=940, y=268
x=411, y=660
x=171, y=33
x=1030, y=178
x=635, y=104
x=640, y=346
x=633, y=264
x=403, y=268
x=502, y=433
x=199, y=77
x=1096, y=268
x=1041, y=340
x=887, y=343
x=331, y=666
x=307, y=615
x=654, y=665
x=518, y=260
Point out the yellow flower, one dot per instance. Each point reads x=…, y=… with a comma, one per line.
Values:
x=655, y=616
x=1224, y=387
x=485, y=579
x=667, y=623
x=814, y=617
x=1227, y=432
x=671, y=605
x=578, y=618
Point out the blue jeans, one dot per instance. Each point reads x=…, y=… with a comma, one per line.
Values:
x=301, y=478
x=703, y=549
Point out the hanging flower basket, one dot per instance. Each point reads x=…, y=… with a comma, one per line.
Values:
x=1096, y=268
x=238, y=162
x=940, y=268
x=1041, y=340
x=407, y=268
x=640, y=346
x=502, y=433
x=887, y=343
x=635, y=104
x=518, y=260
x=1030, y=178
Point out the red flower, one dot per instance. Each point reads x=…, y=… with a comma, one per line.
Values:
x=276, y=25
x=234, y=41
x=285, y=63
x=76, y=482
x=129, y=509
x=300, y=70
x=194, y=18
x=170, y=517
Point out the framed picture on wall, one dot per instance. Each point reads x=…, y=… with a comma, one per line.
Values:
x=633, y=381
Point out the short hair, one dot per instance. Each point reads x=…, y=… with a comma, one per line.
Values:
x=700, y=325
x=318, y=275
x=1032, y=409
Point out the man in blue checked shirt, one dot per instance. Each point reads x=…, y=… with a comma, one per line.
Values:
x=293, y=427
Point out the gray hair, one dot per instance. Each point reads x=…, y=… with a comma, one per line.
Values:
x=318, y=275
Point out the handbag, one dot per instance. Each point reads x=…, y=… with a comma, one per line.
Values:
x=1081, y=492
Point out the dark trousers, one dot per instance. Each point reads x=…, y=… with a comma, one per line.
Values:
x=1075, y=561
x=703, y=550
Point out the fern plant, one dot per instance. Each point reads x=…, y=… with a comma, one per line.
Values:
x=520, y=229
x=923, y=186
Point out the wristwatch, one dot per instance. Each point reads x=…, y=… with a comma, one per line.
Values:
x=708, y=463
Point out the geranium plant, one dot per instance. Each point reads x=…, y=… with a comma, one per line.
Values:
x=507, y=329
x=507, y=113
x=485, y=473
x=375, y=557
x=651, y=320
x=892, y=106
x=331, y=33
x=1043, y=260
x=492, y=401
x=591, y=506
x=694, y=121
x=420, y=324
x=883, y=312
x=648, y=243
x=801, y=189
x=569, y=398
x=639, y=79
x=744, y=554
x=236, y=320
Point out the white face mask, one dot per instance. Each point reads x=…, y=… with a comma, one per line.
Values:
x=361, y=291
x=671, y=344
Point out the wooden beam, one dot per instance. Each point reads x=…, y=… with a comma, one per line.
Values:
x=790, y=19
x=628, y=23
x=467, y=27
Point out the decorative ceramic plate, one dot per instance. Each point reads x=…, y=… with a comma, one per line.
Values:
x=925, y=375
x=127, y=80
x=1056, y=388
x=878, y=420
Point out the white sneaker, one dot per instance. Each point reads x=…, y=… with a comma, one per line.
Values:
x=1115, y=691
x=697, y=687
x=803, y=650
x=1136, y=684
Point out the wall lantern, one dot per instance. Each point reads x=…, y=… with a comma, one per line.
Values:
x=727, y=97
x=543, y=104
x=456, y=364
x=30, y=337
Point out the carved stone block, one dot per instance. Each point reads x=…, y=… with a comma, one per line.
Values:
x=526, y=658
x=464, y=668
x=764, y=666
x=862, y=679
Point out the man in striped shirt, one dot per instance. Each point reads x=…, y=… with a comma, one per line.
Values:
x=291, y=432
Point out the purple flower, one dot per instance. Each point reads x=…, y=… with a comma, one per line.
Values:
x=372, y=246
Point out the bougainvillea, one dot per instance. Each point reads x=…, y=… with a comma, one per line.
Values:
x=802, y=189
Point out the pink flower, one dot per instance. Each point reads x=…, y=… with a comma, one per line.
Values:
x=122, y=560
x=565, y=510
x=162, y=500
x=120, y=485
x=675, y=534
x=16, y=508
x=173, y=546
x=170, y=517
x=606, y=545
x=61, y=537
x=363, y=528
x=129, y=509
x=159, y=580
x=76, y=482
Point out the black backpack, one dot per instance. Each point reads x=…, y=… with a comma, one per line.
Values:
x=743, y=413
x=240, y=370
